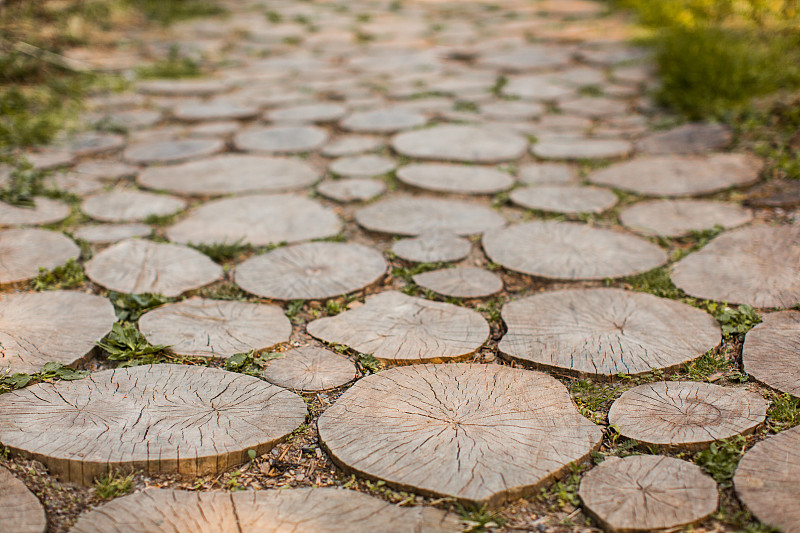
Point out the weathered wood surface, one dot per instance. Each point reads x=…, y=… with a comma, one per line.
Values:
x=469, y=144
x=673, y=218
x=352, y=145
x=387, y=120
x=573, y=148
x=45, y=211
x=526, y=58
x=307, y=113
x=537, y=87
x=771, y=352
x=462, y=282
x=93, y=143
x=351, y=189
x=693, y=138
x=432, y=246
x=110, y=233
x=461, y=179
x=161, y=152
x=24, y=251
x=596, y=107
x=281, y=139
x=214, y=110
x=548, y=173
x=564, y=198
x=20, y=510
x=106, y=170
x=310, y=369
x=183, y=87
x=362, y=166
x=130, y=205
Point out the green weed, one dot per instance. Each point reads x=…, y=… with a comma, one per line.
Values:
x=721, y=458
x=67, y=276
x=478, y=518
x=491, y=309
x=592, y=398
x=226, y=290
x=293, y=309
x=656, y=282
x=167, y=12
x=250, y=363
x=50, y=371
x=224, y=251
x=734, y=322
x=113, y=485
x=784, y=412
x=126, y=344
x=368, y=364
x=407, y=273
x=129, y=307
x=173, y=67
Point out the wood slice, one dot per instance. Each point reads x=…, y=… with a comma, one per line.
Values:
x=580, y=148
x=352, y=145
x=317, y=510
x=138, y=266
x=363, y=166
x=566, y=250
x=469, y=144
x=757, y=265
x=182, y=87
x=122, y=205
x=465, y=282
x=768, y=480
x=214, y=110
x=686, y=415
x=223, y=129
x=512, y=110
x=687, y=139
x=463, y=179
x=549, y=173
x=259, y=220
x=310, y=369
x=595, y=107
x=433, y=247
x=308, y=113
x=106, y=170
x=526, y=58
x=605, y=332
x=647, y=492
x=78, y=184
x=45, y=211
x=132, y=119
x=48, y=160
x=673, y=218
x=93, y=143
x=775, y=193
x=110, y=233
x=771, y=349
x=284, y=139
x=537, y=88
x=161, y=152
x=189, y=420
x=351, y=189
x=214, y=328
x=564, y=198
x=24, y=251
x=20, y=510
x=479, y=433
x=383, y=120
x=400, y=329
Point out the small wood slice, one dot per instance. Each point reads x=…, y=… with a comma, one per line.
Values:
x=50, y=159
x=106, y=170
x=756, y=265
x=45, y=211
x=214, y=328
x=138, y=266
x=548, y=173
x=383, y=120
x=539, y=88
x=768, y=480
x=166, y=419
x=512, y=110
x=686, y=139
x=182, y=87
x=259, y=220
x=110, y=233
x=223, y=129
x=161, y=152
x=284, y=140
x=463, y=179
x=469, y=144
x=686, y=414
x=310, y=369
x=433, y=247
x=566, y=250
x=595, y=107
x=351, y=189
x=775, y=193
x=78, y=184
x=605, y=332
x=647, y=493
x=122, y=206
x=352, y=145
x=673, y=218
x=308, y=113
x=214, y=110
x=20, y=510
x=93, y=143
x=452, y=430
x=363, y=166
x=771, y=352
x=466, y=282
x=564, y=198
x=24, y=251
x=526, y=58
x=579, y=148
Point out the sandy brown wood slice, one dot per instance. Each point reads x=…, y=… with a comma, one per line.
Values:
x=281, y=139
x=383, y=120
x=548, y=173
x=687, y=139
x=310, y=369
x=176, y=151
x=139, y=266
x=24, y=251
x=452, y=430
x=771, y=352
x=128, y=205
x=566, y=250
x=767, y=480
x=512, y=110
x=757, y=265
x=686, y=414
x=362, y=166
x=50, y=159
x=351, y=189
x=400, y=329
x=162, y=418
x=537, y=88
x=680, y=175
x=470, y=144
x=462, y=282
x=352, y=145
x=45, y=211
x=526, y=58
x=432, y=247
x=93, y=143
x=319, y=112
x=647, y=492
x=302, y=510
x=575, y=148
x=564, y=198
x=182, y=87
x=673, y=218
x=20, y=510
x=258, y=220
x=78, y=184
x=215, y=328
x=214, y=110
x=109, y=233
x=106, y=170
x=464, y=179
x=605, y=332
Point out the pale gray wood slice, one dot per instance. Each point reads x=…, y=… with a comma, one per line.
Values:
x=281, y=139
x=612, y=54
x=362, y=166
x=768, y=480
x=771, y=352
x=564, y=198
x=548, y=173
x=526, y=58
x=93, y=143
x=20, y=510
x=231, y=174
x=686, y=414
x=50, y=159
x=687, y=139
x=110, y=233
x=258, y=220
x=757, y=265
x=138, y=266
x=130, y=205
x=604, y=332
x=45, y=211
x=182, y=87
x=432, y=247
x=647, y=493
x=106, y=170
x=219, y=128
x=478, y=433
x=387, y=120
x=214, y=110
x=310, y=369
x=401, y=329
x=595, y=107
x=417, y=215
x=302, y=510
x=132, y=119
x=352, y=145
x=79, y=184
x=351, y=189
x=462, y=282
x=470, y=144
x=311, y=271
x=573, y=148
x=215, y=328
x=166, y=419
x=308, y=113
x=537, y=88
x=673, y=218
x=567, y=250
x=463, y=179
x=177, y=151
x=512, y=110
x=24, y=251
x=680, y=175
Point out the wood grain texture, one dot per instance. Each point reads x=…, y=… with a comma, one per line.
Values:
x=687, y=139
x=771, y=352
x=197, y=111
x=432, y=246
x=387, y=120
x=130, y=205
x=351, y=189
x=674, y=218
x=201, y=87
x=469, y=144
x=479, y=433
x=525, y=58
x=158, y=418
x=20, y=510
x=310, y=369
x=94, y=142
x=461, y=179
x=574, y=148
x=177, y=151
x=281, y=139
x=46, y=211
x=307, y=113
x=24, y=251
x=548, y=173
x=362, y=166
x=111, y=233
x=352, y=145
x=564, y=198
x=462, y=282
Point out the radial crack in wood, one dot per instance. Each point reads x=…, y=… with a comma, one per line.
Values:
x=24, y=251
x=20, y=510
x=310, y=369
x=462, y=282
x=771, y=352
x=432, y=247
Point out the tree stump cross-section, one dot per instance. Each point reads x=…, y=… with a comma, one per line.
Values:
x=771, y=352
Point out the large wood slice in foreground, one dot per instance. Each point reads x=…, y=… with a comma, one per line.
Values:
x=771, y=352
x=310, y=369
x=20, y=510
x=478, y=433
x=159, y=418
x=24, y=251
x=469, y=144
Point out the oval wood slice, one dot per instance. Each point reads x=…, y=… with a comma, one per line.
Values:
x=463, y=282
x=771, y=352
x=306, y=113
x=526, y=58
x=281, y=139
x=574, y=148
x=362, y=166
x=463, y=179
x=451, y=430
x=687, y=139
x=674, y=218
x=182, y=87
x=121, y=206
x=311, y=271
x=400, y=329
x=24, y=251
x=93, y=143
x=596, y=107
x=604, y=332
x=432, y=247
x=310, y=369
x=756, y=265
x=548, y=173
x=352, y=145
x=164, y=418
x=110, y=233
x=564, y=198
x=470, y=144
x=214, y=110
x=45, y=211
x=106, y=170
x=537, y=87
x=647, y=492
x=50, y=159
x=20, y=510
x=138, y=266
x=687, y=415
x=351, y=189
x=383, y=120
x=160, y=152
x=78, y=184
x=512, y=110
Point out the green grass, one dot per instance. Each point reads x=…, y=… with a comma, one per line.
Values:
x=784, y=412
x=720, y=459
x=113, y=485
x=656, y=282
x=128, y=346
x=250, y=363
x=222, y=252
x=67, y=276
x=479, y=518
x=129, y=307
x=167, y=12
x=174, y=66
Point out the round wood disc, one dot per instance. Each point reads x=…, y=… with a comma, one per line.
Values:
x=93, y=143
x=566, y=250
x=204, y=87
x=308, y=113
x=771, y=349
x=462, y=282
x=768, y=480
x=121, y=206
x=214, y=328
x=594, y=107
x=213, y=110
x=526, y=58
x=311, y=271
x=281, y=139
x=464, y=179
x=686, y=414
x=647, y=493
x=231, y=174
x=756, y=265
x=673, y=218
x=452, y=430
x=537, y=87
x=512, y=110
x=310, y=369
x=110, y=233
x=564, y=198
x=106, y=170
x=160, y=152
x=50, y=159
x=164, y=418
x=680, y=175
x=78, y=184
x=351, y=189
x=352, y=145
x=383, y=120
x=400, y=329
x=687, y=139
x=417, y=215
x=362, y=166
x=20, y=510
x=432, y=247
x=470, y=144
x=45, y=211
x=259, y=220
x=139, y=266
x=24, y=251
x=548, y=173
x=605, y=332
x=301, y=510
x=581, y=148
